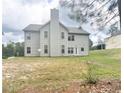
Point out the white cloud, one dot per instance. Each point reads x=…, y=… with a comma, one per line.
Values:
x=10, y=36
x=17, y=15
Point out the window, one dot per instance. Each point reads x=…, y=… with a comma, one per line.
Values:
x=82, y=49
x=45, y=34
x=63, y=49
x=62, y=35
x=28, y=50
x=28, y=36
x=45, y=49
x=71, y=38
x=70, y=50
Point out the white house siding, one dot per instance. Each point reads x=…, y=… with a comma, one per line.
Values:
x=113, y=42
x=38, y=41
x=54, y=40
x=63, y=41
x=44, y=41
x=33, y=43
x=81, y=41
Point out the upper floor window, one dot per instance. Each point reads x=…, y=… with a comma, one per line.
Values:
x=62, y=35
x=71, y=38
x=45, y=34
x=45, y=49
x=70, y=50
x=28, y=36
x=63, y=49
x=28, y=50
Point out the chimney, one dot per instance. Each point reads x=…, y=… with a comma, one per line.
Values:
x=54, y=33
x=54, y=14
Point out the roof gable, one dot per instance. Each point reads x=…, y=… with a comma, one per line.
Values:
x=74, y=30
x=77, y=30
x=45, y=25
x=63, y=26
x=71, y=30
x=32, y=27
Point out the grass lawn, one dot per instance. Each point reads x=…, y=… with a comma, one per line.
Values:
x=57, y=72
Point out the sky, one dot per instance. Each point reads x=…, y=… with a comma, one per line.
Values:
x=17, y=14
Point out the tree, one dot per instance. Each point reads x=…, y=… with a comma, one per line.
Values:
x=113, y=29
x=8, y=50
x=97, y=13
x=13, y=49
x=119, y=7
x=100, y=43
x=19, y=49
x=90, y=44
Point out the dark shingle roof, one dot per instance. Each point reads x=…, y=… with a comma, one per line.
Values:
x=76, y=30
x=71, y=30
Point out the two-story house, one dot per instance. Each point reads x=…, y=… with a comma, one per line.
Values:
x=55, y=39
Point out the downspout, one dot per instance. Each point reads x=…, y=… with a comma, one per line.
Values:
x=49, y=41
x=40, y=45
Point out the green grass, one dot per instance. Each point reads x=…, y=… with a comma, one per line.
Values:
x=57, y=72
x=107, y=62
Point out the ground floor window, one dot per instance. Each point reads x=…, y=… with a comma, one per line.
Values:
x=28, y=50
x=45, y=49
x=70, y=50
x=63, y=49
x=82, y=49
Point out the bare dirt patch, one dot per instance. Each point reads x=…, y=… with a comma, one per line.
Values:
x=104, y=86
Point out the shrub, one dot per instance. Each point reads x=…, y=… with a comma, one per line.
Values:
x=4, y=57
x=90, y=76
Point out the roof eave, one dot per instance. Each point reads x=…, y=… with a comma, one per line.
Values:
x=80, y=33
x=31, y=30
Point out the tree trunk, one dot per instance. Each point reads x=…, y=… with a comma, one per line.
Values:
x=119, y=8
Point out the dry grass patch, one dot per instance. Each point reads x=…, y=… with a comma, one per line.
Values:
x=56, y=73
x=41, y=72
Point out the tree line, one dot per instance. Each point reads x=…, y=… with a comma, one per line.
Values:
x=12, y=49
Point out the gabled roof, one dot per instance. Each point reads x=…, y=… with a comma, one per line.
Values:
x=33, y=27
x=77, y=30
x=71, y=30
x=74, y=30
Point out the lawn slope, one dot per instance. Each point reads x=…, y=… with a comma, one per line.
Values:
x=57, y=72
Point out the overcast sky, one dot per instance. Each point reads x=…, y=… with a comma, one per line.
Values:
x=17, y=14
